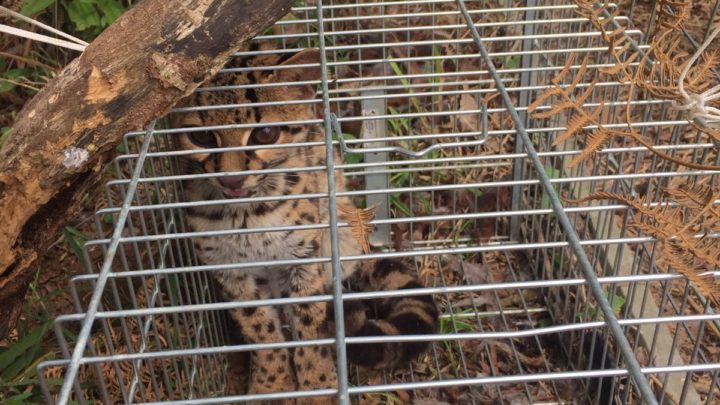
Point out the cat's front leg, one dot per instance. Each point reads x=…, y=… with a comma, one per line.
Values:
x=314, y=365
x=271, y=370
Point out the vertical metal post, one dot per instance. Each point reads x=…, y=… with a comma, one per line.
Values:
x=377, y=176
x=527, y=61
x=342, y=372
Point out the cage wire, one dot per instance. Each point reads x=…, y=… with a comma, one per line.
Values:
x=541, y=301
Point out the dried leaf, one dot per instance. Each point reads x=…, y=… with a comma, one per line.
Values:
x=468, y=122
x=359, y=220
x=476, y=273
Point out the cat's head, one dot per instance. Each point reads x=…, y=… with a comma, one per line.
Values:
x=288, y=83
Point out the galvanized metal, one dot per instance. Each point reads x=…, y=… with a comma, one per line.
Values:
x=519, y=277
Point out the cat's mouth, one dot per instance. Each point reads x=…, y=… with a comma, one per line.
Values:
x=237, y=193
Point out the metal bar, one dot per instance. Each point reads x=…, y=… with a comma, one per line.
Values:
x=527, y=61
x=342, y=370
x=389, y=294
x=455, y=336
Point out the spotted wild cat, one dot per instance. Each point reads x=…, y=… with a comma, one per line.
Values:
x=305, y=367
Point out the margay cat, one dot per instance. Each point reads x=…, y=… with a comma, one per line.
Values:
x=307, y=367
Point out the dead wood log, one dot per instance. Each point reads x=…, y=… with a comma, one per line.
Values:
x=135, y=71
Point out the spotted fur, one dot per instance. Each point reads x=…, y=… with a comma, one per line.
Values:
x=305, y=367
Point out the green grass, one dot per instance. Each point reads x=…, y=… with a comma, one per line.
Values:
x=552, y=173
x=387, y=398
x=19, y=360
x=398, y=126
x=451, y=324
x=4, y=134
x=616, y=302
x=19, y=383
x=349, y=158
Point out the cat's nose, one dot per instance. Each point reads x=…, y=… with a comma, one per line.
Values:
x=232, y=182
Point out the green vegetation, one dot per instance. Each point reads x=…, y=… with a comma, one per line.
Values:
x=86, y=17
x=552, y=173
x=616, y=302
x=19, y=360
x=25, y=69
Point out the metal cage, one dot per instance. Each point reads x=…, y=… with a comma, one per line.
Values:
x=427, y=99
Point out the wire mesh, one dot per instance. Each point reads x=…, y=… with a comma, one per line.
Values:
x=467, y=187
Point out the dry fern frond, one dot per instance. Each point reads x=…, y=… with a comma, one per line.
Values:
x=623, y=68
x=556, y=108
x=566, y=68
x=691, y=195
x=359, y=220
x=637, y=137
x=542, y=98
x=697, y=77
x=684, y=261
x=564, y=92
x=595, y=141
x=661, y=214
x=577, y=123
x=681, y=224
x=672, y=14
x=677, y=233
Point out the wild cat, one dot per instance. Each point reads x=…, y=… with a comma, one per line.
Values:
x=311, y=367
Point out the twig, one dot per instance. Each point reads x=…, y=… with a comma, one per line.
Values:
x=29, y=61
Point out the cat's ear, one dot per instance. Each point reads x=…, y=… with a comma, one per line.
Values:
x=308, y=70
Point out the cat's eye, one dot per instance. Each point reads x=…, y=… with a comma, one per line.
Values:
x=264, y=136
x=204, y=139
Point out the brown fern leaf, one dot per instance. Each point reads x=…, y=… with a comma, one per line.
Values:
x=714, y=134
x=594, y=142
x=580, y=100
x=557, y=108
x=691, y=195
x=565, y=92
x=617, y=33
x=699, y=76
x=543, y=97
x=709, y=250
x=605, y=21
x=649, y=146
x=677, y=257
x=685, y=262
x=622, y=68
x=672, y=14
x=653, y=231
x=700, y=200
x=359, y=221
x=590, y=8
x=661, y=214
x=566, y=68
x=706, y=251
x=579, y=75
x=576, y=124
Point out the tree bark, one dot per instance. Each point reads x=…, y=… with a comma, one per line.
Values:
x=135, y=71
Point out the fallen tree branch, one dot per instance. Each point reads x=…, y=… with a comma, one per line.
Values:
x=135, y=71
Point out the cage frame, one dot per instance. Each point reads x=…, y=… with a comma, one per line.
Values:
x=75, y=358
